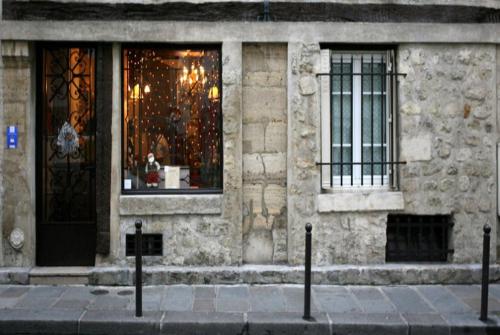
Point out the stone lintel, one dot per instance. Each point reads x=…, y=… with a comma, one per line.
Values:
x=170, y=204
x=360, y=201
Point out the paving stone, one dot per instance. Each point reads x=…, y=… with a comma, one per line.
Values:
x=232, y=305
x=8, y=302
x=152, y=298
x=46, y=292
x=204, y=305
x=79, y=293
x=232, y=292
x=442, y=299
x=14, y=292
x=407, y=300
x=178, y=298
x=372, y=300
x=294, y=300
x=193, y=323
x=494, y=290
x=287, y=324
x=335, y=299
x=363, y=324
x=425, y=324
x=119, y=322
x=108, y=302
x=266, y=299
x=204, y=292
x=40, y=321
x=461, y=324
x=465, y=291
x=475, y=304
x=35, y=303
x=71, y=304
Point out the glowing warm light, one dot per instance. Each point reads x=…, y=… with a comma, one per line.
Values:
x=136, y=92
x=213, y=93
x=147, y=89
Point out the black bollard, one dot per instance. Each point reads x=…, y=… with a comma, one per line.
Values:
x=138, y=268
x=486, y=273
x=307, y=275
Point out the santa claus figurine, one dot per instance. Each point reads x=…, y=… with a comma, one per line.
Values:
x=152, y=171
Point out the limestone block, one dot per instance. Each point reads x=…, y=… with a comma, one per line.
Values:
x=258, y=247
x=170, y=204
x=264, y=57
x=252, y=197
x=275, y=165
x=253, y=137
x=276, y=137
x=264, y=79
x=358, y=202
x=307, y=85
x=410, y=108
x=16, y=84
x=253, y=167
x=416, y=148
x=15, y=49
x=275, y=198
x=264, y=104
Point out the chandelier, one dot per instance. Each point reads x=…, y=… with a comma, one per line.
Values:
x=193, y=80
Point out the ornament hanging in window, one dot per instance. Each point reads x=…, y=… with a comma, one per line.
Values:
x=67, y=139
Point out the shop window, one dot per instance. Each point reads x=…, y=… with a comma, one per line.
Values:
x=357, y=119
x=172, y=119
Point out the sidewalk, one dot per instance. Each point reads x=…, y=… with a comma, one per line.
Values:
x=244, y=310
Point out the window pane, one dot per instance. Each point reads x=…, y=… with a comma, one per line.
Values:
x=346, y=79
x=367, y=119
x=376, y=76
x=377, y=158
x=172, y=118
x=346, y=119
x=347, y=158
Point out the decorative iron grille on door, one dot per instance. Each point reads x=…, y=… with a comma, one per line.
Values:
x=66, y=156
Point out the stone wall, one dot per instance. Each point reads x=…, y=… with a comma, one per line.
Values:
x=17, y=165
x=264, y=153
x=448, y=110
x=448, y=135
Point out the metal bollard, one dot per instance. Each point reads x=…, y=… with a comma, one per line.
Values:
x=307, y=275
x=138, y=268
x=486, y=273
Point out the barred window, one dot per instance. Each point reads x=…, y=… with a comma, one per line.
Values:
x=357, y=119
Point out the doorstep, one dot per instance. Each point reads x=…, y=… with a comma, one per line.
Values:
x=383, y=274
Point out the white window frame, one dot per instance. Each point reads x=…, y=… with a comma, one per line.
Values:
x=326, y=139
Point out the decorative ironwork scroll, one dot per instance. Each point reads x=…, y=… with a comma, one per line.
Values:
x=68, y=140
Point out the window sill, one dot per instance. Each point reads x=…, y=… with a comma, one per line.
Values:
x=360, y=201
x=156, y=204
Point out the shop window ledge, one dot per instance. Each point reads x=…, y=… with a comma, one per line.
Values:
x=360, y=201
x=170, y=204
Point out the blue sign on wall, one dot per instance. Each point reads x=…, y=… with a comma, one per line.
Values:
x=12, y=137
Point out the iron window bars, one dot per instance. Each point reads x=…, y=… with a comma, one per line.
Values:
x=359, y=127
x=418, y=238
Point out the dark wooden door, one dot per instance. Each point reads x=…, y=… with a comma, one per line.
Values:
x=66, y=156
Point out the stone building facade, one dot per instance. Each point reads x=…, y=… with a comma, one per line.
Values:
x=446, y=133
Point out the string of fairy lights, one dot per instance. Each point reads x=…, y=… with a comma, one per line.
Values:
x=172, y=110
